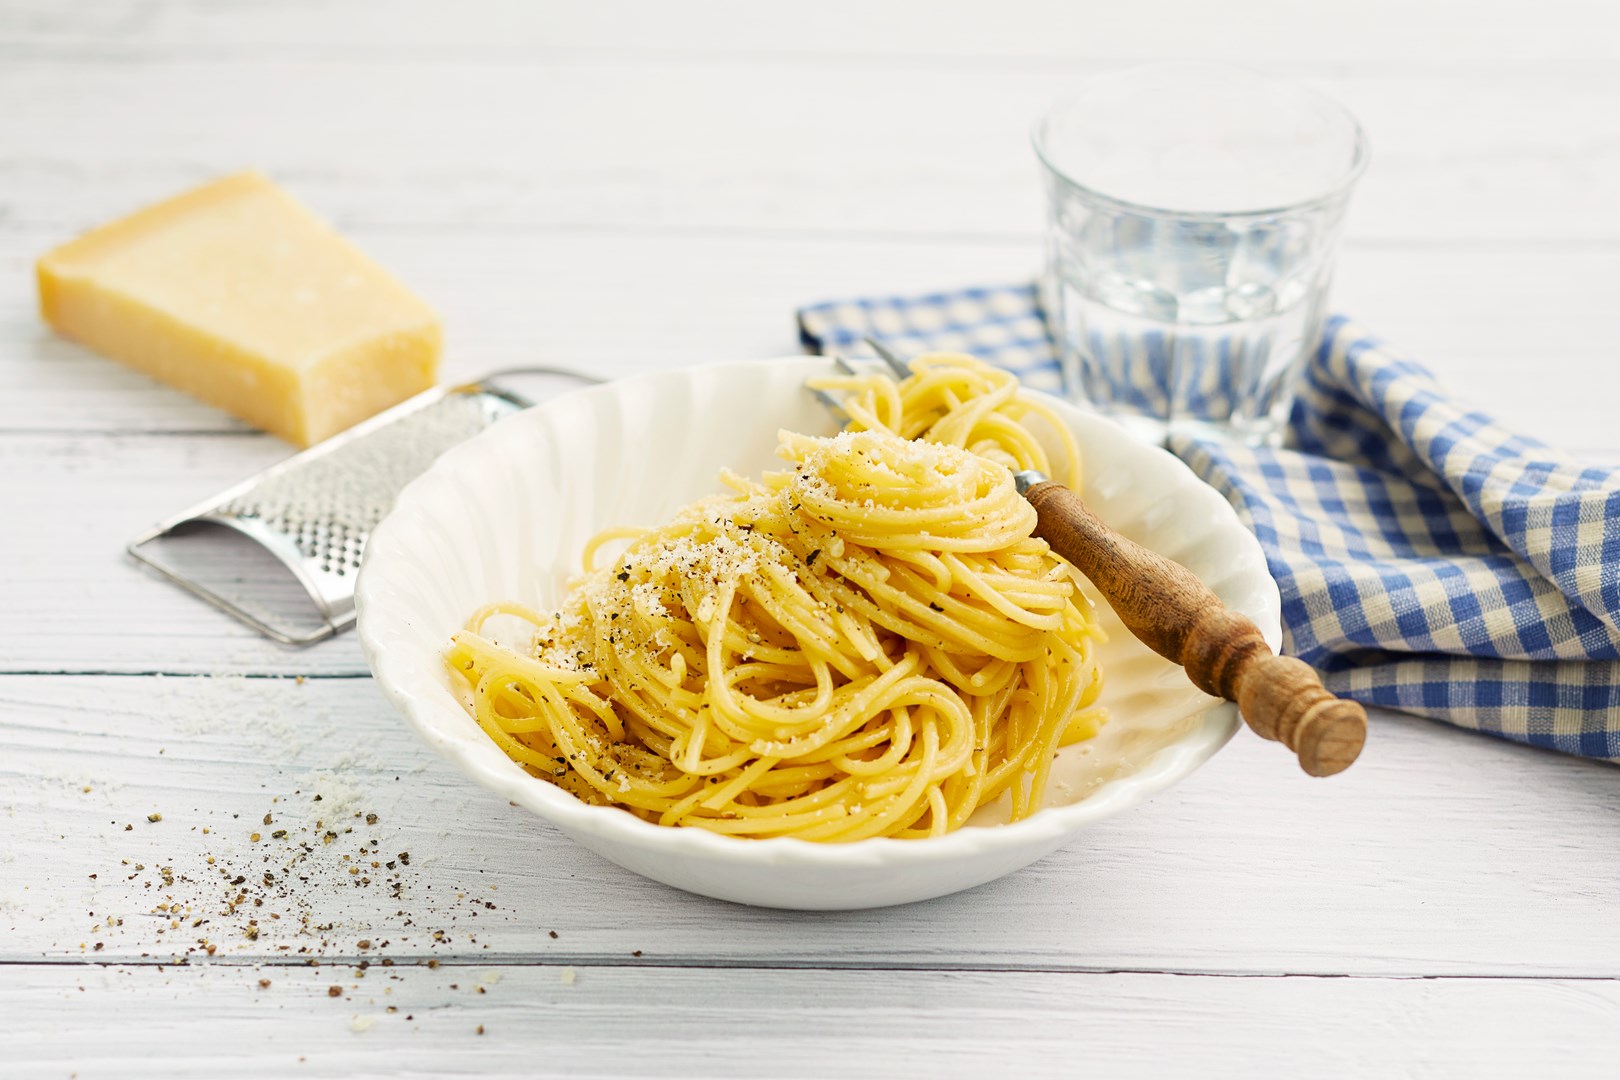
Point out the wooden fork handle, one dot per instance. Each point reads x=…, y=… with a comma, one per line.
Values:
x=1178, y=617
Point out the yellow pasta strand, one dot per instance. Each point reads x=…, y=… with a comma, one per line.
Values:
x=953, y=398
x=868, y=643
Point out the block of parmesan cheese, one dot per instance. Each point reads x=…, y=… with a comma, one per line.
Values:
x=238, y=295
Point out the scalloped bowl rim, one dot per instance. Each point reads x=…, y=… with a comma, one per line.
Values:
x=485, y=763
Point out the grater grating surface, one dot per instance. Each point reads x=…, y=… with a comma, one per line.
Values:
x=328, y=506
x=315, y=511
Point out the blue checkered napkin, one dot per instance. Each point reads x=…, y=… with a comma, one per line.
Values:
x=1429, y=560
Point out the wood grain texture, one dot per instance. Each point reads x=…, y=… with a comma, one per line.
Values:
x=1443, y=35
x=765, y=147
x=1177, y=616
x=652, y=1021
x=1471, y=870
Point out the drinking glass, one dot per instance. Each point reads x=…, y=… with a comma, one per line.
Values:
x=1193, y=216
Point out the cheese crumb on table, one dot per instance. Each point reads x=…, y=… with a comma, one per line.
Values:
x=238, y=295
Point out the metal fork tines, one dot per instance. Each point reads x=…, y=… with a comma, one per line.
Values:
x=896, y=366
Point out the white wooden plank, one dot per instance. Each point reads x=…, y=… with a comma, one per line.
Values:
x=615, y=305
x=1439, y=853
x=1441, y=34
x=529, y=1021
x=434, y=143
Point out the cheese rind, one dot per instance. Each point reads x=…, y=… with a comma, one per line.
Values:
x=238, y=295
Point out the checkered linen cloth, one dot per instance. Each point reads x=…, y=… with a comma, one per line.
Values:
x=1429, y=560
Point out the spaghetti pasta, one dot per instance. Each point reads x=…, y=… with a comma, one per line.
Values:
x=868, y=643
x=957, y=399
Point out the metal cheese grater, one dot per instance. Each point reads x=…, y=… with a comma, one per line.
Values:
x=315, y=511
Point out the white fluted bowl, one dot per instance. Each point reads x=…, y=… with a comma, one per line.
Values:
x=506, y=514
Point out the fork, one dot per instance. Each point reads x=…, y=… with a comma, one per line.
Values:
x=1176, y=615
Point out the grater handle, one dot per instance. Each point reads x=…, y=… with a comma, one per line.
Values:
x=137, y=550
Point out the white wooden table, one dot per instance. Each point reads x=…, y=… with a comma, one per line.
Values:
x=621, y=186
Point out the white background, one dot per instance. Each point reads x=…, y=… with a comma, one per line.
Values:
x=622, y=186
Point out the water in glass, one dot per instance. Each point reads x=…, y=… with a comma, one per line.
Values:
x=1190, y=246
